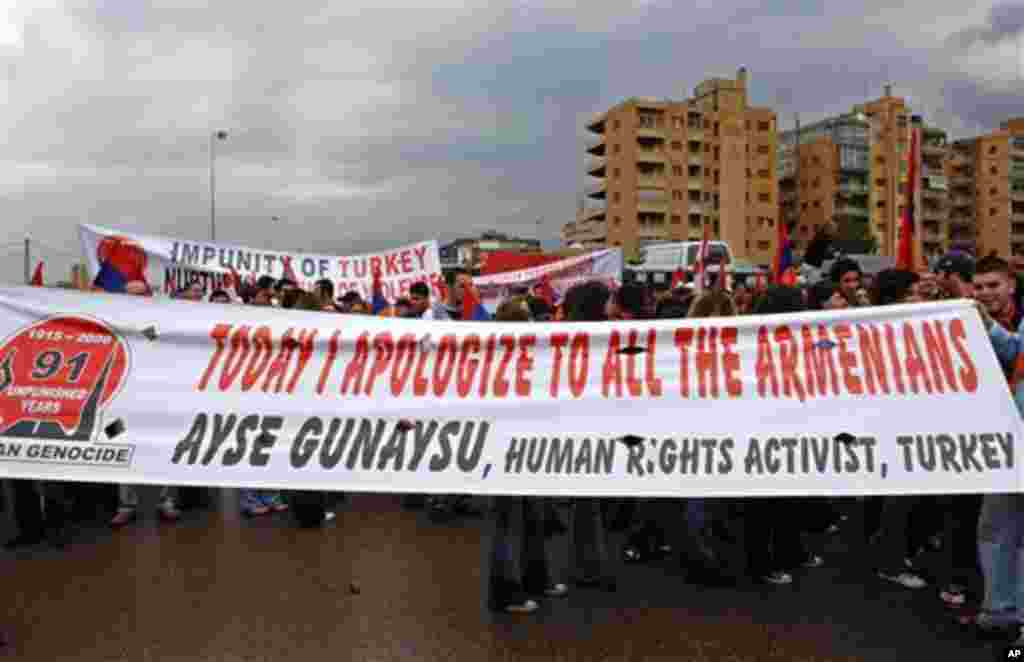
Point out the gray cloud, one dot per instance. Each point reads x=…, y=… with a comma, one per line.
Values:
x=367, y=124
x=1005, y=22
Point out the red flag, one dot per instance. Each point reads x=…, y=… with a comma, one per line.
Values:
x=678, y=278
x=37, y=277
x=784, y=269
x=545, y=291
x=702, y=258
x=905, y=254
x=378, y=303
x=472, y=308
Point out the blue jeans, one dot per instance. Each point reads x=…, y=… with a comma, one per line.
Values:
x=1001, y=552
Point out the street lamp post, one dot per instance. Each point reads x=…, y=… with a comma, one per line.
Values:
x=214, y=137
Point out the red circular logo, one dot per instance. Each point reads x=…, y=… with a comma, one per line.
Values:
x=57, y=375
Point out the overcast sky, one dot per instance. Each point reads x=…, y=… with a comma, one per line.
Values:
x=362, y=125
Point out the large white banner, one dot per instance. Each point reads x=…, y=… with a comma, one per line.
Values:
x=113, y=388
x=162, y=261
x=604, y=265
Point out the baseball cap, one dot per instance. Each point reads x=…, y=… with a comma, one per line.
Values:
x=957, y=263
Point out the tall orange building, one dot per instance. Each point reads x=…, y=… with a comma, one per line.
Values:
x=664, y=170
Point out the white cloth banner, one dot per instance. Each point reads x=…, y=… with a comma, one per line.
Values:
x=604, y=265
x=178, y=262
x=114, y=388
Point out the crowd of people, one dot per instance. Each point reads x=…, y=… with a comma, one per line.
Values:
x=973, y=532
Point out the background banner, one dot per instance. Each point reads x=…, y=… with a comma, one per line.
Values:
x=178, y=262
x=115, y=388
x=603, y=265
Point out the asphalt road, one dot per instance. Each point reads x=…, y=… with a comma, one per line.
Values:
x=382, y=583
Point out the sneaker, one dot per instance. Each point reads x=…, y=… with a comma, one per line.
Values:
x=557, y=591
x=124, y=516
x=168, y=513
x=778, y=578
x=904, y=579
x=527, y=607
x=329, y=516
x=953, y=596
x=814, y=561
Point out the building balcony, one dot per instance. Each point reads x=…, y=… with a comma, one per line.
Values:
x=934, y=213
x=694, y=134
x=1017, y=230
x=652, y=206
x=696, y=208
x=596, y=124
x=853, y=188
x=961, y=201
x=961, y=221
x=651, y=156
x=1017, y=171
x=934, y=194
x=930, y=235
x=933, y=149
x=598, y=191
x=961, y=181
x=596, y=146
x=695, y=183
x=652, y=181
x=695, y=160
x=851, y=210
x=596, y=167
x=1017, y=195
x=650, y=133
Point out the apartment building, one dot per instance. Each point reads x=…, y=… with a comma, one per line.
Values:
x=987, y=189
x=851, y=171
x=663, y=170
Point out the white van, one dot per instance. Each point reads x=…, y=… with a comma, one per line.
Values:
x=681, y=255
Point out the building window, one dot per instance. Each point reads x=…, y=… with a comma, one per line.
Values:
x=694, y=171
x=880, y=160
x=816, y=182
x=716, y=178
x=616, y=148
x=677, y=122
x=707, y=172
x=677, y=220
x=749, y=173
x=617, y=221
x=764, y=173
x=707, y=148
x=677, y=195
x=716, y=129
x=677, y=146
x=617, y=124
x=748, y=125
x=616, y=197
x=817, y=204
x=694, y=196
x=764, y=197
x=993, y=149
x=707, y=196
x=764, y=245
x=764, y=149
x=616, y=172
x=764, y=126
x=994, y=170
x=677, y=171
x=993, y=211
x=717, y=152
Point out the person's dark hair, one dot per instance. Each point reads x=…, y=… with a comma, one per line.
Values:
x=819, y=248
x=712, y=303
x=286, y=283
x=778, y=300
x=290, y=298
x=325, y=287
x=303, y=301
x=843, y=266
x=892, y=286
x=403, y=302
x=585, y=302
x=219, y=294
x=632, y=298
x=265, y=283
x=672, y=310
x=539, y=308
x=420, y=289
x=819, y=293
x=351, y=298
x=993, y=264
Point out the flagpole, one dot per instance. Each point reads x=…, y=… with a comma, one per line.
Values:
x=28, y=261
